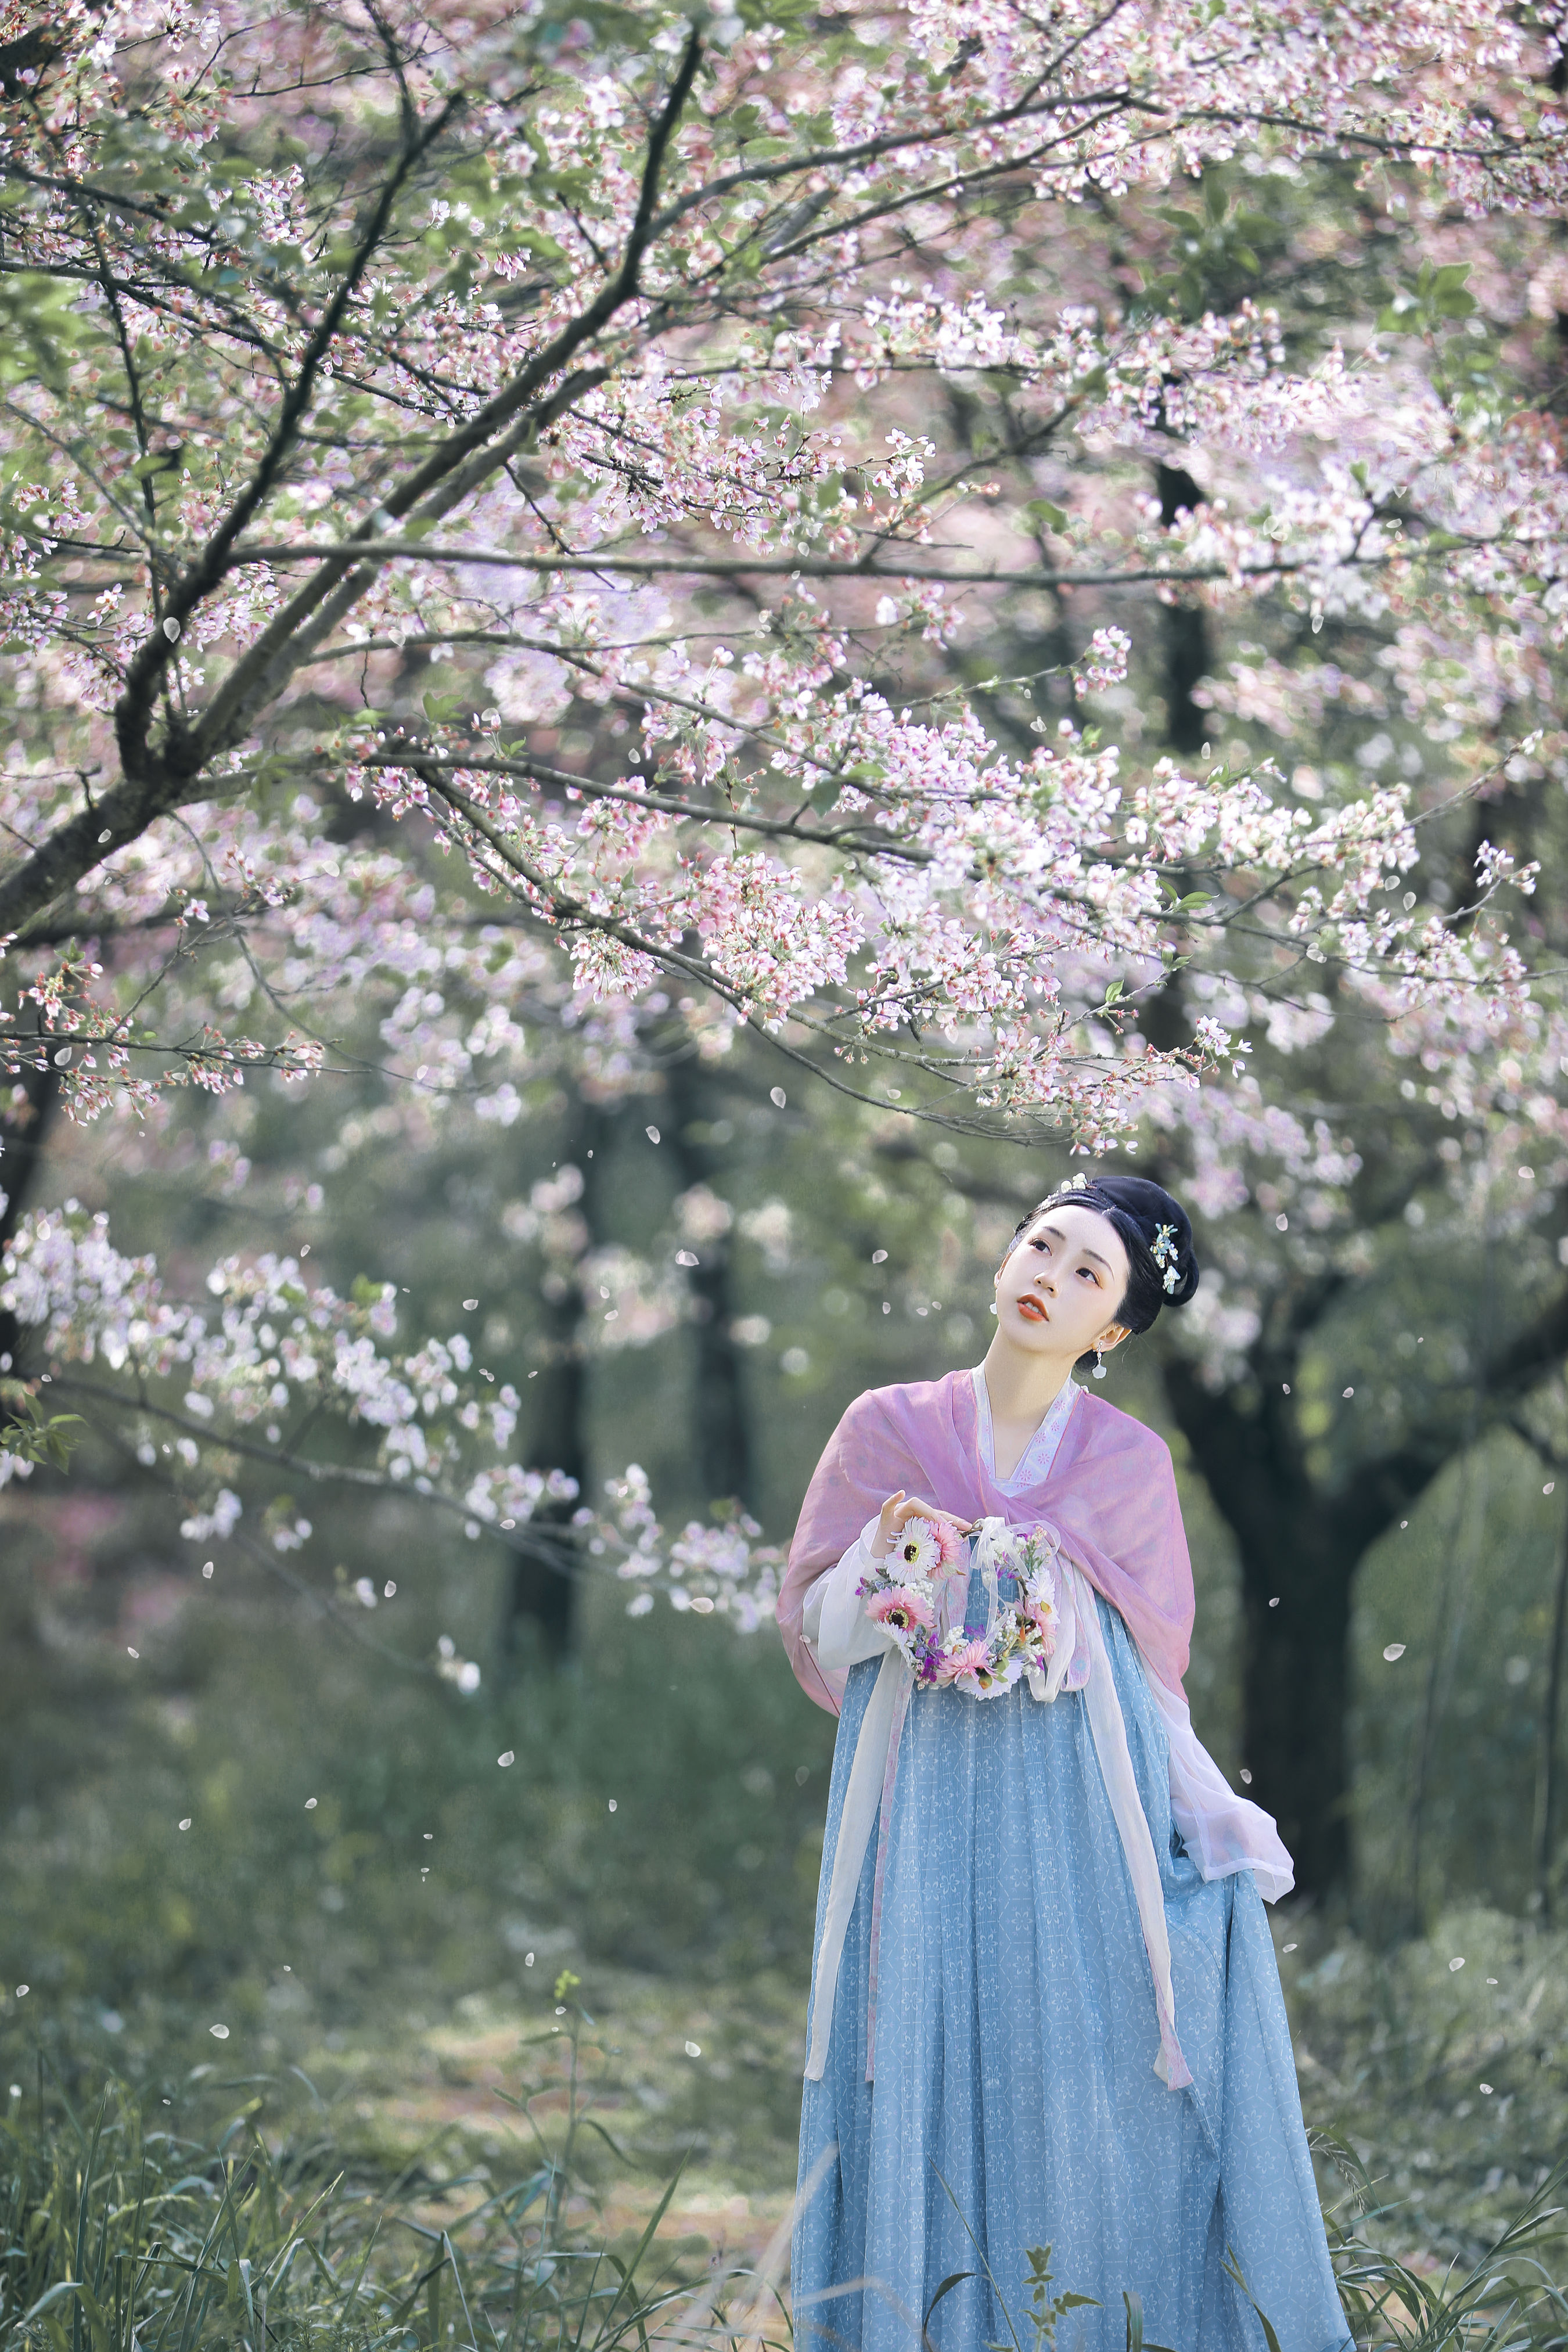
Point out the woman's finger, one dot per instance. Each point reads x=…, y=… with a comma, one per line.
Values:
x=918, y=1509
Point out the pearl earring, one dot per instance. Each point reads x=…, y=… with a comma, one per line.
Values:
x=1099, y=1363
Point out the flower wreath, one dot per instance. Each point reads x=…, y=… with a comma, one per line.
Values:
x=919, y=1591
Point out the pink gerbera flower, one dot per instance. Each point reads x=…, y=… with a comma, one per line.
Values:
x=1042, y=1616
x=962, y=1662
x=927, y=1547
x=900, y=1609
x=949, y=1542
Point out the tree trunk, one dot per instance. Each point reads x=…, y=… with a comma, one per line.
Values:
x=543, y=1580
x=20, y=1161
x=1185, y=625
x=1296, y=1610
x=721, y=1438
x=1294, y=1675
x=544, y=1585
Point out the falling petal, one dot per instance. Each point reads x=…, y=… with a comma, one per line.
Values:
x=777, y=1097
x=309, y=1804
x=1289, y=1947
x=469, y=1305
x=694, y=2050
x=652, y=1133
x=22, y=1991
x=207, y=1569
x=613, y=1805
x=1244, y=1777
x=1395, y=1650
x=879, y=1257
x=218, y=2033
x=1454, y=1966
x=130, y=1653
x=186, y=1822
x=389, y=1591
x=1485, y=2089
x=509, y=1758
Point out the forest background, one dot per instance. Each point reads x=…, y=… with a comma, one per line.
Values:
x=1041, y=564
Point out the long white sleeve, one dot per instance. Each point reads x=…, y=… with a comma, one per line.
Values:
x=834, y=1619
x=1222, y=1832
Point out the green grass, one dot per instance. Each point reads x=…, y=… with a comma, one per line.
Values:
x=127, y=2234
x=660, y=1834
x=236, y=2213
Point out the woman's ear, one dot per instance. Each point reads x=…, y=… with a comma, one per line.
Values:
x=1111, y=1336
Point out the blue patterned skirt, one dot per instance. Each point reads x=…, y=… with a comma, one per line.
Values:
x=1014, y=2104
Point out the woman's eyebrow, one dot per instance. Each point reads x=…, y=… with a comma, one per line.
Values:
x=1088, y=1252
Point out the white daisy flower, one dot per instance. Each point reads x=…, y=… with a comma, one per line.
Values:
x=917, y=1550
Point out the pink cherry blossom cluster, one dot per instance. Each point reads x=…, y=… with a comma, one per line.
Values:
x=199, y=1387
x=600, y=539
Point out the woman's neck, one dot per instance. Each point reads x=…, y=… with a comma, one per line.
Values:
x=1022, y=1387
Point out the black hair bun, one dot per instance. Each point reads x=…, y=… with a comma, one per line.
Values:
x=1156, y=1232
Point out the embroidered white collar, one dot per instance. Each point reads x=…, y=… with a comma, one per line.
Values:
x=1035, y=1460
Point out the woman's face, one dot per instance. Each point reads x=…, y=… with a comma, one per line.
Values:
x=1061, y=1283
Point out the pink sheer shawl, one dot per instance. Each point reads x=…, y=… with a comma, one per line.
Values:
x=1110, y=1497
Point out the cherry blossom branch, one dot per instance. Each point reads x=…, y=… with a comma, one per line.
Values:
x=444, y=470
x=132, y=714
x=73, y=1293
x=803, y=566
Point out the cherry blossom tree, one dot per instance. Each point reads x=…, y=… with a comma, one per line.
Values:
x=570, y=538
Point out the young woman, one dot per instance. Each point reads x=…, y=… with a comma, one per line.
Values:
x=1045, y=2005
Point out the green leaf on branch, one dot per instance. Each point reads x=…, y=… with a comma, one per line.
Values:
x=28, y=1433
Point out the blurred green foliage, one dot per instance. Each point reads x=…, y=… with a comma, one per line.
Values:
x=237, y=2209
x=659, y=1830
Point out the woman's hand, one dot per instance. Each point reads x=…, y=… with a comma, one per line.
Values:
x=900, y=1509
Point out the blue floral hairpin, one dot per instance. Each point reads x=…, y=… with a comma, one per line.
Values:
x=1166, y=1250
